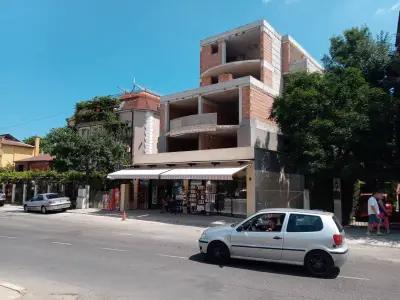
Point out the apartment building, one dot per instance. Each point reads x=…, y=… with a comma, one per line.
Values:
x=218, y=149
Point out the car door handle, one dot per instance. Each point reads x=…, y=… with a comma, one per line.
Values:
x=277, y=238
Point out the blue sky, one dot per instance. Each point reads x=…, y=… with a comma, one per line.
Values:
x=54, y=53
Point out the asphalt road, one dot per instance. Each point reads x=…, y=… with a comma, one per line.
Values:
x=69, y=256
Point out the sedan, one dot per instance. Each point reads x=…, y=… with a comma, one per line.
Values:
x=313, y=239
x=2, y=198
x=47, y=202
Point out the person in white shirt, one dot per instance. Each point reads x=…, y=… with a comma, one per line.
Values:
x=373, y=212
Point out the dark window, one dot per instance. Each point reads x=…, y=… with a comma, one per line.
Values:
x=214, y=48
x=52, y=196
x=214, y=79
x=39, y=198
x=338, y=225
x=304, y=223
x=265, y=223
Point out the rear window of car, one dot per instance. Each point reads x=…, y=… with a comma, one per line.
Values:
x=338, y=225
x=304, y=223
x=52, y=196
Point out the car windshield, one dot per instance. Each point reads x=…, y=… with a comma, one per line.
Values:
x=52, y=196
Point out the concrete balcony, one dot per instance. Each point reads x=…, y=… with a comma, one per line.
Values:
x=193, y=124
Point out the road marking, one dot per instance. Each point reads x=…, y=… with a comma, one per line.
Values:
x=141, y=216
x=355, y=278
x=114, y=249
x=14, y=287
x=8, y=237
x=173, y=256
x=61, y=243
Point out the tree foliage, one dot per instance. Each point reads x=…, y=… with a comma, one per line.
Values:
x=357, y=48
x=333, y=122
x=44, y=146
x=102, y=152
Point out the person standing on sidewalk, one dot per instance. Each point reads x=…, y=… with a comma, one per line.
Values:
x=373, y=212
x=384, y=215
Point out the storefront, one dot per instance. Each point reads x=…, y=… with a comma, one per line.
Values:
x=194, y=190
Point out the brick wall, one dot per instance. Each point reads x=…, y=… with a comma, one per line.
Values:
x=162, y=118
x=260, y=105
x=266, y=76
x=225, y=77
x=285, y=57
x=207, y=141
x=208, y=107
x=266, y=47
x=209, y=59
x=206, y=80
x=246, y=102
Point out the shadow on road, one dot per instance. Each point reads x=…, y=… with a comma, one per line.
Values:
x=260, y=266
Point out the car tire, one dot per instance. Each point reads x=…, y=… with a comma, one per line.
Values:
x=218, y=252
x=25, y=208
x=1, y=204
x=43, y=210
x=319, y=264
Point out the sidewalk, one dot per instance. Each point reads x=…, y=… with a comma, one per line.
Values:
x=357, y=236
x=168, y=218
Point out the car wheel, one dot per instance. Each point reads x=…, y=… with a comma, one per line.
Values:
x=218, y=252
x=43, y=210
x=1, y=204
x=319, y=263
x=25, y=208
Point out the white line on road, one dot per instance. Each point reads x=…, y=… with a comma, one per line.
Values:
x=61, y=243
x=173, y=256
x=355, y=278
x=114, y=249
x=8, y=237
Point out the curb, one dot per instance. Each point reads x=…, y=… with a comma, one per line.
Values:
x=13, y=287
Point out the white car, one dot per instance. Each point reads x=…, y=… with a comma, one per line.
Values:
x=47, y=202
x=314, y=239
x=2, y=198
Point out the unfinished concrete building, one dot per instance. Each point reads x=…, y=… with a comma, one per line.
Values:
x=226, y=123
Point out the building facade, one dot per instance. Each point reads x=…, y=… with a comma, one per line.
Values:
x=219, y=147
x=12, y=150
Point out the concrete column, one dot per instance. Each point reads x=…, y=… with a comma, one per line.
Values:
x=124, y=197
x=222, y=44
x=13, y=193
x=200, y=104
x=24, y=194
x=166, y=120
x=251, y=190
x=35, y=190
x=3, y=187
x=135, y=193
x=240, y=104
x=49, y=187
x=306, y=199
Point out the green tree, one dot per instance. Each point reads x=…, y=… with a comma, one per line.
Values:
x=357, y=48
x=333, y=122
x=103, y=152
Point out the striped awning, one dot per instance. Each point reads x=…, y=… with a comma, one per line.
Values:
x=215, y=173
x=137, y=174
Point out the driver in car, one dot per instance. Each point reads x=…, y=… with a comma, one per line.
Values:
x=271, y=225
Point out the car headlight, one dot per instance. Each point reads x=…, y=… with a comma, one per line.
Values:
x=204, y=235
